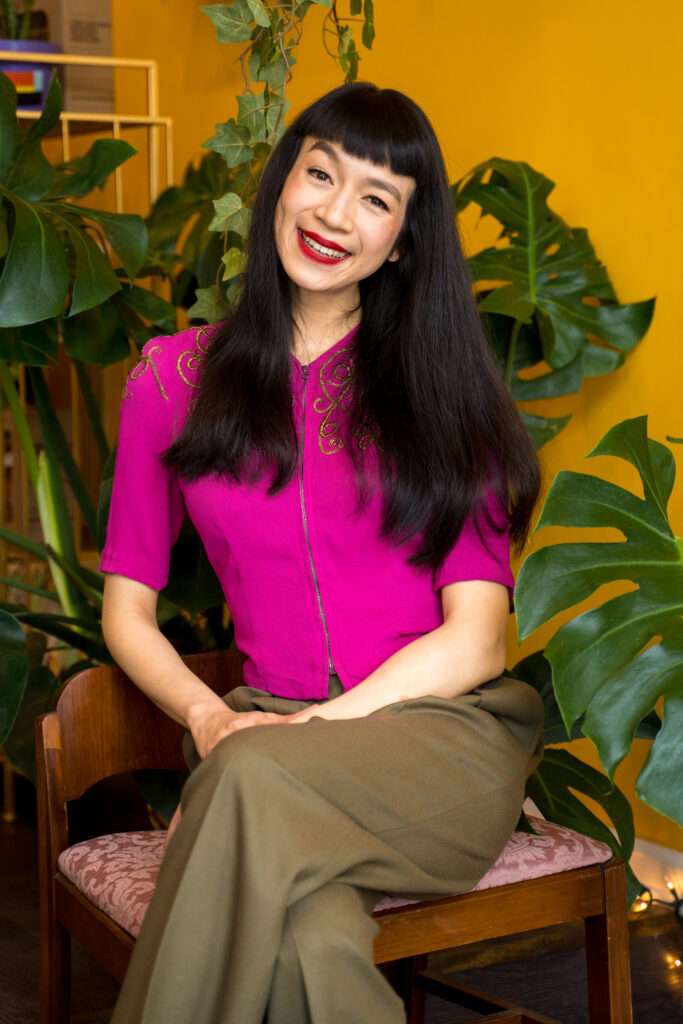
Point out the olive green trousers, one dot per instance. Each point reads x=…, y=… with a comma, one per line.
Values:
x=289, y=836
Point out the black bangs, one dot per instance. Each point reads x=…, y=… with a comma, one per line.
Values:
x=380, y=125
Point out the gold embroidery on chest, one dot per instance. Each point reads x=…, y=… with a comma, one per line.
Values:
x=192, y=358
x=336, y=382
x=140, y=367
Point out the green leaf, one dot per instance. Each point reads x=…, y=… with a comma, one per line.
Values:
x=35, y=277
x=32, y=344
x=39, y=698
x=127, y=234
x=32, y=174
x=551, y=786
x=18, y=540
x=230, y=215
x=152, y=307
x=13, y=581
x=232, y=21
x=79, y=176
x=368, y=33
x=655, y=784
x=57, y=529
x=347, y=52
x=60, y=449
x=234, y=261
x=13, y=671
x=543, y=428
x=535, y=670
x=97, y=335
x=231, y=141
x=8, y=124
x=613, y=663
x=549, y=270
x=71, y=631
x=4, y=233
x=210, y=305
x=251, y=114
x=259, y=12
x=94, y=279
x=654, y=461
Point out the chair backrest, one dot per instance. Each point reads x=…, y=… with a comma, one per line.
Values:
x=107, y=725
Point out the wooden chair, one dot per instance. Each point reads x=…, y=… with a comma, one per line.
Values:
x=104, y=725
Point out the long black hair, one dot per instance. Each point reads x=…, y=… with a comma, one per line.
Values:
x=425, y=374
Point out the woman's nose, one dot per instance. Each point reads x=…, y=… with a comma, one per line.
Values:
x=335, y=212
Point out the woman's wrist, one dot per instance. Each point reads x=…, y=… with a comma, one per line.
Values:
x=200, y=710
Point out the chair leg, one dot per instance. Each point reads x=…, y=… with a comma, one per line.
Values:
x=55, y=974
x=608, y=954
x=401, y=974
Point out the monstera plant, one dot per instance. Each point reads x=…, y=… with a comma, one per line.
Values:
x=611, y=665
x=547, y=297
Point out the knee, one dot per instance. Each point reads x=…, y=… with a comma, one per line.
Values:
x=334, y=916
x=240, y=760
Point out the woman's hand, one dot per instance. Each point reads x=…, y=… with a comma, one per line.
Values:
x=210, y=725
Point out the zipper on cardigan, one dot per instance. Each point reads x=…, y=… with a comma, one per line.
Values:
x=305, y=522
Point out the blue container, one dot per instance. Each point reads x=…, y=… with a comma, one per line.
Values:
x=30, y=80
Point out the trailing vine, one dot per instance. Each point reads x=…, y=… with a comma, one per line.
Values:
x=272, y=32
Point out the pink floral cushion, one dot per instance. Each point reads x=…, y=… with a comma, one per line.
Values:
x=118, y=872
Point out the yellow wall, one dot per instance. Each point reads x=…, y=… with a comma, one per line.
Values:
x=587, y=93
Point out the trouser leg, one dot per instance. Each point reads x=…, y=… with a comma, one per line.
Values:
x=276, y=814
x=325, y=970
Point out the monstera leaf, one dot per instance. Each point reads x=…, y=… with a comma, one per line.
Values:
x=561, y=778
x=613, y=663
x=53, y=259
x=556, y=304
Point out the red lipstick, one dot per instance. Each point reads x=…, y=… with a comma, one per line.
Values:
x=320, y=257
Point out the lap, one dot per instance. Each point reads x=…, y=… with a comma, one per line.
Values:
x=410, y=761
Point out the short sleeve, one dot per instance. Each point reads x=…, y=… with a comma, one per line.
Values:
x=480, y=558
x=147, y=507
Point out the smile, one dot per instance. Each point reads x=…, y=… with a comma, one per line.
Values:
x=320, y=253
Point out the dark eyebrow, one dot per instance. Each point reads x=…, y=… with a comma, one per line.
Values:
x=375, y=182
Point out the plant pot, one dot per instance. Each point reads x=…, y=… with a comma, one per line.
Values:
x=30, y=80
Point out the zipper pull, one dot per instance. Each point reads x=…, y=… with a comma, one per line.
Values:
x=305, y=372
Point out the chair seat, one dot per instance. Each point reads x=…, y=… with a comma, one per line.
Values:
x=118, y=872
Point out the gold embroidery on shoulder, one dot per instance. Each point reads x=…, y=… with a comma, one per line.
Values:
x=192, y=358
x=140, y=367
x=337, y=387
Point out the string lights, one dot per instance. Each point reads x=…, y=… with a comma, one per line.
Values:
x=646, y=899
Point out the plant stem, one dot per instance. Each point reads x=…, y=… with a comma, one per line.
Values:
x=20, y=421
x=512, y=351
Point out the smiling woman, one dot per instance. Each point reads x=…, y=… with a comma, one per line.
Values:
x=356, y=470
x=326, y=213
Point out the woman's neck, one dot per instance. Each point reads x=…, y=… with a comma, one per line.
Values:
x=319, y=322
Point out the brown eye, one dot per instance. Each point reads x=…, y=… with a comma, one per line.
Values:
x=315, y=171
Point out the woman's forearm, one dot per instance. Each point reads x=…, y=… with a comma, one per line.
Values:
x=150, y=660
x=444, y=662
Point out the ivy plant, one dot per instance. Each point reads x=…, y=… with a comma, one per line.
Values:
x=211, y=210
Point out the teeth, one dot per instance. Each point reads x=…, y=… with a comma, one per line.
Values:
x=334, y=253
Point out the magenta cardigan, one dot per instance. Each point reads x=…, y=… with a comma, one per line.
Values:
x=311, y=586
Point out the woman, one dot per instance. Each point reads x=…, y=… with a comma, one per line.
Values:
x=356, y=471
